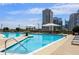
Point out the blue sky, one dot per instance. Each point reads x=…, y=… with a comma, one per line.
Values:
x=31, y=14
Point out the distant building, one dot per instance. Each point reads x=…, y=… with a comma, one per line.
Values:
x=66, y=25
x=74, y=20
x=47, y=17
x=58, y=21
x=77, y=21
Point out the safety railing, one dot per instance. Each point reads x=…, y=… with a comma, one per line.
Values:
x=16, y=41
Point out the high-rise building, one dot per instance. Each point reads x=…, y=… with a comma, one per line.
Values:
x=74, y=20
x=77, y=21
x=58, y=21
x=66, y=25
x=47, y=17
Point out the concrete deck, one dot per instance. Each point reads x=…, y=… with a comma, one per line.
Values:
x=67, y=48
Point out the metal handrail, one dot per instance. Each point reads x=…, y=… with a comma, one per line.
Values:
x=20, y=44
x=5, y=45
x=16, y=41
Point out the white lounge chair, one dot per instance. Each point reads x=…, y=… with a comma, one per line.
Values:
x=75, y=40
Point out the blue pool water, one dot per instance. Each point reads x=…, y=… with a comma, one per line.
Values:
x=33, y=43
x=11, y=35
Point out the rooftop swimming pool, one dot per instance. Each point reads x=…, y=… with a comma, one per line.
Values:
x=33, y=43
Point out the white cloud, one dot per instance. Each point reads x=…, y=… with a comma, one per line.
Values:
x=27, y=11
x=65, y=9
x=58, y=9
x=35, y=11
x=16, y=12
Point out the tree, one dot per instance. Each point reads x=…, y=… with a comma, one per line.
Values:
x=5, y=29
x=17, y=29
x=76, y=29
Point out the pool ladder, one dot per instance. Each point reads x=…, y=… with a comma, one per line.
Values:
x=16, y=41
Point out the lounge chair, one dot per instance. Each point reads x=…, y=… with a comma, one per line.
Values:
x=75, y=40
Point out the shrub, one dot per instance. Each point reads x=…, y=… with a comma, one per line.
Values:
x=17, y=29
x=5, y=29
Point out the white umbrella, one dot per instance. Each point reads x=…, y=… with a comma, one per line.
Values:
x=50, y=24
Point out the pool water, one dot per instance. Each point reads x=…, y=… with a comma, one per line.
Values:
x=33, y=43
x=11, y=35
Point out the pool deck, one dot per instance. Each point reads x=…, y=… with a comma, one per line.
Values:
x=10, y=42
x=63, y=47
x=67, y=48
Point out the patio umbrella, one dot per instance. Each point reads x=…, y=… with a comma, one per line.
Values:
x=50, y=24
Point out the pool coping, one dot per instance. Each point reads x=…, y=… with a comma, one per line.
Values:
x=36, y=51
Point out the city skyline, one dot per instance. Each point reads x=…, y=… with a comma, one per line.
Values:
x=31, y=13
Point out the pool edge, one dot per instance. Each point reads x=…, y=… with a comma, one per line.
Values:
x=36, y=52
